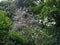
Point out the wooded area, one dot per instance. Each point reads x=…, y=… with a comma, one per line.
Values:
x=30, y=22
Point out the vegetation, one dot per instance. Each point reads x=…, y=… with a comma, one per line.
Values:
x=46, y=33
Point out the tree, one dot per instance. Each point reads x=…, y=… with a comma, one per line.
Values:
x=9, y=7
x=5, y=26
x=48, y=12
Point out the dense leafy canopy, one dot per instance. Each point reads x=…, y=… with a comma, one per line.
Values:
x=47, y=13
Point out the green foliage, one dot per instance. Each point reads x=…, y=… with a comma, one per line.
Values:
x=50, y=10
x=5, y=26
x=29, y=2
x=9, y=7
x=21, y=39
x=5, y=22
x=47, y=12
